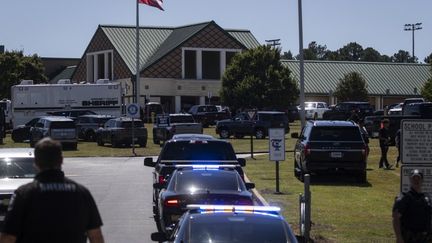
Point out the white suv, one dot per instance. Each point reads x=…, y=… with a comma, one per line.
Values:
x=315, y=110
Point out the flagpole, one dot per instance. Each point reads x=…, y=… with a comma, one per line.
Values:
x=137, y=82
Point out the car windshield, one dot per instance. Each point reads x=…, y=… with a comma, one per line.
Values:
x=335, y=134
x=17, y=168
x=237, y=228
x=208, y=180
x=198, y=150
x=182, y=119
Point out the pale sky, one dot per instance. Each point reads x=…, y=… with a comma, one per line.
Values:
x=59, y=28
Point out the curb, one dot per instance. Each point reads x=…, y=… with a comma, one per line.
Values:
x=257, y=196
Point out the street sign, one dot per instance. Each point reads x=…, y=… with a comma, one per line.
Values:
x=416, y=141
x=426, y=170
x=133, y=110
x=277, y=144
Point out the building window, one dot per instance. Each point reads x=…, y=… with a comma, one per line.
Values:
x=206, y=63
x=100, y=65
x=211, y=65
x=190, y=64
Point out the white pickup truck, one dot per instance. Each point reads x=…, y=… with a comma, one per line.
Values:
x=168, y=125
x=315, y=110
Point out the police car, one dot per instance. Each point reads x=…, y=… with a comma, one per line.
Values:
x=228, y=223
x=16, y=169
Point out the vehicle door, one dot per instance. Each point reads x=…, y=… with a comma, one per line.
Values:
x=242, y=124
x=301, y=145
x=106, y=131
x=321, y=108
x=37, y=132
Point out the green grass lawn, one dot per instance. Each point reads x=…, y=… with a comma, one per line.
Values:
x=342, y=211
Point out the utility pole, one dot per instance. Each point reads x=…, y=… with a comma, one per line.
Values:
x=274, y=42
x=413, y=27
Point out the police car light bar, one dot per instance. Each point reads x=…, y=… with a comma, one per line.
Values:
x=205, y=167
x=233, y=208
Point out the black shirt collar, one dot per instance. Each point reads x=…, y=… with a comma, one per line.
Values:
x=50, y=175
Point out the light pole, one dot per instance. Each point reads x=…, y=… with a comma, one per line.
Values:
x=301, y=54
x=413, y=27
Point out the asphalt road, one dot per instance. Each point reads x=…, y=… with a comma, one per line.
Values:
x=122, y=188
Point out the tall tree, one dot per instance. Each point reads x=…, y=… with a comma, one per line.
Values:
x=14, y=66
x=370, y=55
x=428, y=59
x=403, y=57
x=350, y=52
x=352, y=87
x=314, y=52
x=257, y=79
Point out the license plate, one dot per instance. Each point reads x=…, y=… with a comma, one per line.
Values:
x=336, y=154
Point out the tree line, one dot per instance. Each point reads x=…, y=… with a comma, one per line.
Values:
x=352, y=52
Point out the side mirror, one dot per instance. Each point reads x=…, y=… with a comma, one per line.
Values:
x=242, y=162
x=250, y=185
x=294, y=135
x=148, y=161
x=159, y=236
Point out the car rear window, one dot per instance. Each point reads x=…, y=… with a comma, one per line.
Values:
x=198, y=150
x=236, y=228
x=335, y=134
x=199, y=180
x=62, y=124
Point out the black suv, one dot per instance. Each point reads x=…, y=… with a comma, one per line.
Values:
x=241, y=125
x=330, y=146
x=87, y=125
x=343, y=111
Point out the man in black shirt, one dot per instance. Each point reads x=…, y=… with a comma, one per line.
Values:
x=384, y=140
x=52, y=208
x=412, y=213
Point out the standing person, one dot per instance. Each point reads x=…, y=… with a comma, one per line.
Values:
x=412, y=213
x=384, y=140
x=52, y=208
x=397, y=143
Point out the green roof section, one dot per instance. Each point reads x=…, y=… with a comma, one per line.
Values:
x=65, y=74
x=156, y=42
x=322, y=77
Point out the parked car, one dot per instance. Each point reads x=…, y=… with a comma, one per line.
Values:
x=342, y=111
x=62, y=129
x=395, y=110
x=21, y=133
x=167, y=126
x=315, y=110
x=292, y=113
x=16, y=169
x=87, y=125
x=208, y=115
x=241, y=125
x=200, y=184
x=118, y=131
x=228, y=223
x=330, y=146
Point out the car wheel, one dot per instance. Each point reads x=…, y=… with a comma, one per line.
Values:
x=114, y=143
x=239, y=136
x=224, y=133
x=74, y=146
x=362, y=177
x=259, y=133
x=143, y=144
x=90, y=136
x=155, y=141
x=32, y=143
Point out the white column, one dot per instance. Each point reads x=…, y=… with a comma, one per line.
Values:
x=95, y=68
x=199, y=64
x=89, y=62
x=222, y=63
x=177, y=104
x=106, y=65
x=378, y=102
x=202, y=100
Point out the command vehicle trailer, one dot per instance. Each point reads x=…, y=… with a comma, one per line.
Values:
x=31, y=100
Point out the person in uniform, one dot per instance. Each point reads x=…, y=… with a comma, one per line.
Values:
x=398, y=146
x=52, y=208
x=384, y=140
x=412, y=213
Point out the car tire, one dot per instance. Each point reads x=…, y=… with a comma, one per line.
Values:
x=259, y=133
x=32, y=142
x=114, y=143
x=143, y=144
x=155, y=141
x=99, y=141
x=362, y=177
x=74, y=146
x=224, y=133
x=239, y=136
x=90, y=135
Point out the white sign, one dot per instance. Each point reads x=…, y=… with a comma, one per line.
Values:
x=163, y=120
x=416, y=141
x=277, y=144
x=427, y=177
x=133, y=110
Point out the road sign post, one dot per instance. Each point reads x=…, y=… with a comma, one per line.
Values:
x=133, y=111
x=252, y=115
x=277, y=150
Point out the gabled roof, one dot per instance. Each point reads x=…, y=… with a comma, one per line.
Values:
x=65, y=74
x=156, y=42
x=398, y=78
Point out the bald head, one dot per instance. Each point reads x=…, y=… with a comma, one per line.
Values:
x=48, y=154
